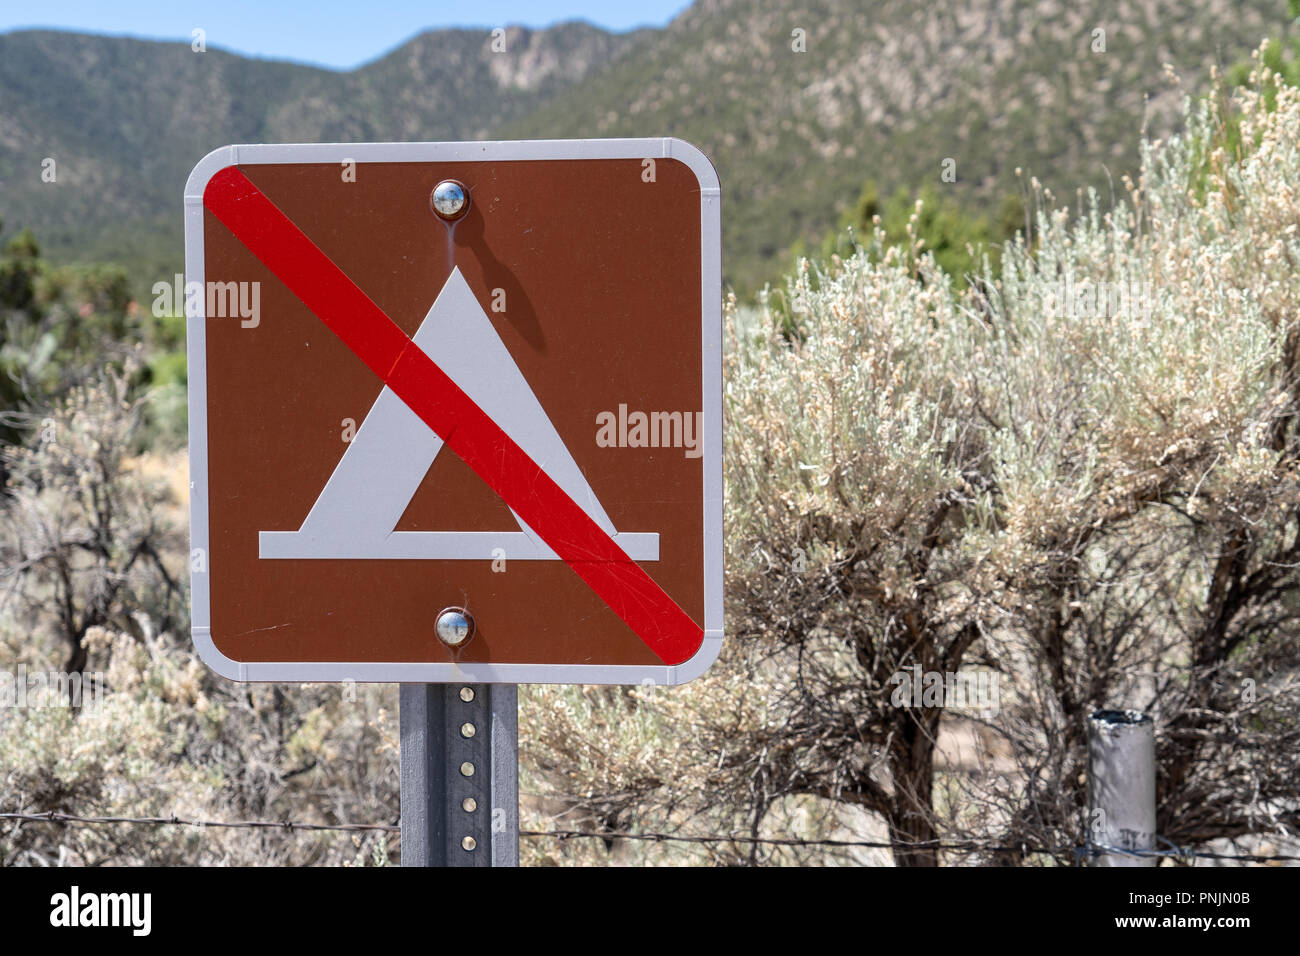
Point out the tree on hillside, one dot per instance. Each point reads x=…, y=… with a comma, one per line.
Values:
x=58, y=328
x=1281, y=56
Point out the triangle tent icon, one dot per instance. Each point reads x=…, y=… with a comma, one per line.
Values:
x=358, y=509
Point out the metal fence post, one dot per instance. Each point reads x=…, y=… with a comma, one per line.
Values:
x=459, y=774
x=1121, y=786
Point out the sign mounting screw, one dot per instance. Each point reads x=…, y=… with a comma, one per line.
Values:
x=450, y=199
x=454, y=626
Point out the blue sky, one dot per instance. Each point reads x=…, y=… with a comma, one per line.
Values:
x=334, y=33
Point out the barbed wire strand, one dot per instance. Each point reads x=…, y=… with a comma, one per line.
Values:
x=52, y=816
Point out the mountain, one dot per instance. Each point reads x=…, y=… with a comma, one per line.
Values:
x=798, y=104
x=888, y=90
x=125, y=120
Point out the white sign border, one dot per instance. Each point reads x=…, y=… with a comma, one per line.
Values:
x=711, y=342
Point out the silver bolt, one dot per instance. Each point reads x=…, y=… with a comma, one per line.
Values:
x=467, y=769
x=469, y=804
x=469, y=843
x=467, y=694
x=454, y=627
x=467, y=729
x=450, y=199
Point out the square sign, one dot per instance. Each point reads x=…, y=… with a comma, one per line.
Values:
x=456, y=411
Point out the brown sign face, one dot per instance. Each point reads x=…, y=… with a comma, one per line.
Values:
x=513, y=411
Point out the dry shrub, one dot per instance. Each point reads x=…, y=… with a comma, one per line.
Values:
x=1096, y=498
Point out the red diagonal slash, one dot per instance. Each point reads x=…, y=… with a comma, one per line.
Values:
x=429, y=392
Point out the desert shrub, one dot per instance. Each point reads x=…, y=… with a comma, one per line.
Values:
x=93, y=572
x=1078, y=474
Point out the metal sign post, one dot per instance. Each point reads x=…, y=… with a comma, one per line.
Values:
x=460, y=779
x=1122, y=787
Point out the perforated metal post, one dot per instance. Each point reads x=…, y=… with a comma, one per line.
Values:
x=460, y=778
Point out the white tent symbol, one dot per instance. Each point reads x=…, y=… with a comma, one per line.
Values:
x=359, y=507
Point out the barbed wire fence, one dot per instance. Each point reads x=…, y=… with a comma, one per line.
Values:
x=970, y=846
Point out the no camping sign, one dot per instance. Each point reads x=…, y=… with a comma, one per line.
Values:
x=471, y=431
